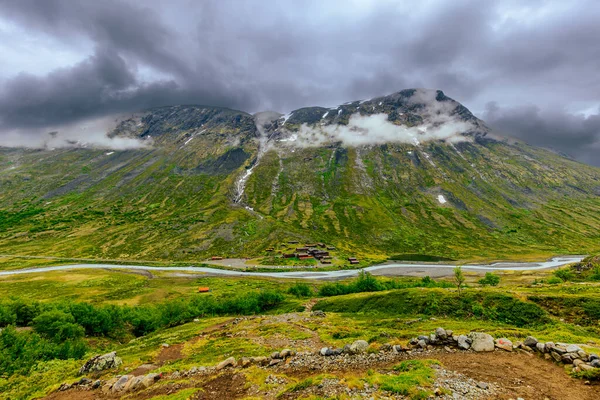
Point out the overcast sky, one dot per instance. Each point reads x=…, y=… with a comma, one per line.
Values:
x=531, y=71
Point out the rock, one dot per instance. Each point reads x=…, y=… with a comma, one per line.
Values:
x=441, y=333
x=526, y=348
x=326, y=351
x=594, y=357
x=359, y=346
x=97, y=383
x=275, y=355
x=165, y=345
x=541, y=347
x=433, y=339
x=422, y=344
x=337, y=352
x=244, y=362
x=63, y=387
x=275, y=361
x=119, y=385
x=504, y=344
x=577, y=362
x=196, y=320
x=583, y=355
x=261, y=360
x=176, y=375
x=549, y=346
x=318, y=313
x=530, y=341
x=482, y=385
x=424, y=338
x=566, y=358
x=108, y=385
x=481, y=341
x=449, y=333
x=464, y=343
x=586, y=367
x=150, y=379
x=101, y=363
x=595, y=363
x=573, y=348
x=230, y=362
x=134, y=384
x=346, y=349
x=285, y=353
x=398, y=348
x=557, y=357
x=386, y=347
x=83, y=381
x=560, y=349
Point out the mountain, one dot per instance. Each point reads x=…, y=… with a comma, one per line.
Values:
x=413, y=172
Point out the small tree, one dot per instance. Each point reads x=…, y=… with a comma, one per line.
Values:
x=490, y=279
x=459, y=278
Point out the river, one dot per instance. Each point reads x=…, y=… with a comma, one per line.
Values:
x=387, y=269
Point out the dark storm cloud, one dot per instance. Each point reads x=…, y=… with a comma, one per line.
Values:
x=255, y=55
x=574, y=134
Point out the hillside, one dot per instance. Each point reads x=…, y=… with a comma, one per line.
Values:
x=414, y=172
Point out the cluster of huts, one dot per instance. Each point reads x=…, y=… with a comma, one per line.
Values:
x=319, y=251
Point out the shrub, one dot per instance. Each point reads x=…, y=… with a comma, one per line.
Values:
x=554, y=280
x=300, y=290
x=58, y=326
x=565, y=274
x=490, y=280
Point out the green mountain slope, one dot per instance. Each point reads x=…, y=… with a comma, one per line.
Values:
x=217, y=181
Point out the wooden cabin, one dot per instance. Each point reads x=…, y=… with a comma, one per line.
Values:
x=289, y=255
x=325, y=261
x=354, y=262
x=301, y=248
x=216, y=258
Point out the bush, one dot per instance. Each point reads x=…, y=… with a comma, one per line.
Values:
x=554, y=280
x=490, y=280
x=564, y=274
x=300, y=290
x=58, y=326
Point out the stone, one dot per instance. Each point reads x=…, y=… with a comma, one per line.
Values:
x=134, y=384
x=150, y=379
x=433, y=339
x=337, y=352
x=101, y=363
x=196, y=320
x=482, y=385
x=530, y=341
x=557, y=357
x=63, y=387
x=317, y=313
x=346, y=349
x=441, y=333
x=230, y=362
x=583, y=355
x=97, y=383
x=595, y=363
x=275, y=361
x=165, y=345
x=423, y=338
x=398, y=348
x=422, y=344
x=586, y=367
x=120, y=383
x=260, y=360
x=504, y=344
x=573, y=348
x=541, y=347
x=326, y=351
x=83, y=381
x=275, y=355
x=526, y=348
x=449, y=333
x=566, y=358
x=594, y=357
x=481, y=341
x=560, y=349
x=577, y=362
x=108, y=385
x=359, y=346
x=464, y=343
x=176, y=375
x=245, y=362
x=386, y=347
x=285, y=353
x=549, y=346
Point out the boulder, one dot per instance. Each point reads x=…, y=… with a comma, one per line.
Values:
x=464, y=343
x=101, y=363
x=150, y=379
x=134, y=384
x=541, y=347
x=573, y=348
x=119, y=385
x=230, y=362
x=424, y=338
x=595, y=363
x=566, y=358
x=285, y=353
x=422, y=344
x=557, y=357
x=326, y=351
x=504, y=344
x=441, y=334
x=386, y=347
x=433, y=339
x=97, y=383
x=359, y=346
x=244, y=362
x=261, y=360
x=481, y=341
x=275, y=361
x=318, y=313
x=275, y=355
x=398, y=348
x=586, y=367
x=530, y=341
x=449, y=333
x=594, y=357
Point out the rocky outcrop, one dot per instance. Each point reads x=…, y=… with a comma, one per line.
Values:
x=101, y=363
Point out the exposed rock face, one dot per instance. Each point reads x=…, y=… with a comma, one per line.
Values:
x=481, y=341
x=101, y=363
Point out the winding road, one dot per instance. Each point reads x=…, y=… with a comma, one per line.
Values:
x=387, y=269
